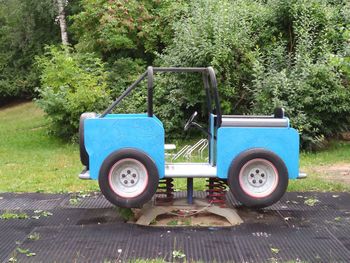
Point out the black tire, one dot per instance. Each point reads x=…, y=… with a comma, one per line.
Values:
x=254, y=156
x=106, y=172
x=84, y=157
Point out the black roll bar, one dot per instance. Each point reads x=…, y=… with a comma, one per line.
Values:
x=150, y=79
x=207, y=91
x=124, y=94
x=214, y=85
x=207, y=72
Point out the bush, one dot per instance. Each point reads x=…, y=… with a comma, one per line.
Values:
x=71, y=83
x=305, y=80
x=121, y=74
x=266, y=54
x=270, y=53
x=222, y=34
x=25, y=27
x=108, y=26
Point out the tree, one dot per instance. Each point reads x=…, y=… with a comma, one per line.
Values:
x=25, y=28
x=62, y=20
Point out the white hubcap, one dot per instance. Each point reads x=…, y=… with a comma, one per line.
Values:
x=128, y=178
x=258, y=178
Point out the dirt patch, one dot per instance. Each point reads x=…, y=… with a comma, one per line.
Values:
x=202, y=219
x=337, y=172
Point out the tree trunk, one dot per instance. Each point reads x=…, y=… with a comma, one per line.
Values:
x=62, y=20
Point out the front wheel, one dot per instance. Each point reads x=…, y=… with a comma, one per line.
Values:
x=128, y=178
x=258, y=178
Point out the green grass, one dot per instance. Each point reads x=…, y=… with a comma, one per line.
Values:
x=33, y=161
x=336, y=152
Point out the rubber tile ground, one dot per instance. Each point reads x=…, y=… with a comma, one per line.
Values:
x=302, y=227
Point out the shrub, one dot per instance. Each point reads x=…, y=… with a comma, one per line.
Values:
x=71, y=83
x=270, y=53
x=25, y=27
x=267, y=53
x=302, y=76
x=222, y=34
x=122, y=73
x=108, y=26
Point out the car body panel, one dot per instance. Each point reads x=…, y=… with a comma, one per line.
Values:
x=114, y=132
x=232, y=141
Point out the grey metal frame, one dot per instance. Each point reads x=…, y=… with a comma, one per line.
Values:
x=254, y=122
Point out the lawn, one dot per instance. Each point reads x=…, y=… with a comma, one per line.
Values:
x=33, y=161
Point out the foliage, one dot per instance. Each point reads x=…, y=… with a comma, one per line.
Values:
x=71, y=83
x=159, y=30
x=311, y=201
x=34, y=236
x=121, y=74
x=126, y=213
x=106, y=26
x=299, y=72
x=135, y=29
x=275, y=53
x=10, y=215
x=178, y=254
x=294, y=54
x=26, y=252
x=221, y=34
x=25, y=27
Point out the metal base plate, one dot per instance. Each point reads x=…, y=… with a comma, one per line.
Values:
x=150, y=212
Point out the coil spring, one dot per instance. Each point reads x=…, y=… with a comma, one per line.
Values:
x=216, y=191
x=165, y=191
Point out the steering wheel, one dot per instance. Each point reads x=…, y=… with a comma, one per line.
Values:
x=190, y=120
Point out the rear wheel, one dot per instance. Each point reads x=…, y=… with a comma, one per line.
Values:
x=258, y=178
x=128, y=178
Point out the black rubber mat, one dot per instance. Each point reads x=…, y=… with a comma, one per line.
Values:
x=94, y=200
x=127, y=242
x=302, y=227
x=14, y=231
x=10, y=201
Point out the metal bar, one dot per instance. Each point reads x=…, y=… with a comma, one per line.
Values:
x=193, y=176
x=214, y=85
x=149, y=74
x=207, y=91
x=250, y=116
x=190, y=190
x=179, y=70
x=124, y=94
x=183, y=149
x=184, y=170
x=205, y=145
x=150, y=91
x=254, y=122
x=194, y=147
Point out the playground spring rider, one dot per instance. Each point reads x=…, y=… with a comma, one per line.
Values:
x=254, y=155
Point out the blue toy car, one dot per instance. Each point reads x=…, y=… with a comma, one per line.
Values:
x=254, y=155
